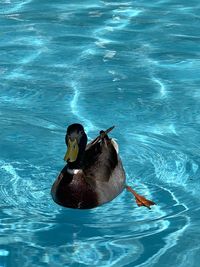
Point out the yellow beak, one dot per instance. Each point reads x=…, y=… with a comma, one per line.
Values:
x=72, y=151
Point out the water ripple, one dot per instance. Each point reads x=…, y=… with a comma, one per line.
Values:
x=134, y=65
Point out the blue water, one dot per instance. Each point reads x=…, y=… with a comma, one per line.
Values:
x=132, y=64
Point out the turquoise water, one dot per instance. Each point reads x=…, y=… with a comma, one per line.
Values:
x=134, y=64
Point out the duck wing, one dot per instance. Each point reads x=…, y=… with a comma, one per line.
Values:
x=103, y=170
x=100, y=160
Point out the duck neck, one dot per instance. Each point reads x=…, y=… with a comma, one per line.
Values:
x=76, y=165
x=73, y=171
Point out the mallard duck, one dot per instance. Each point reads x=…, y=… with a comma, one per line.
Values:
x=93, y=175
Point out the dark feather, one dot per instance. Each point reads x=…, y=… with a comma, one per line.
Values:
x=74, y=192
x=99, y=161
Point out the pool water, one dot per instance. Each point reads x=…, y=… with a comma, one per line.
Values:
x=132, y=64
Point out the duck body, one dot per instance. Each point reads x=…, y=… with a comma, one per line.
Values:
x=71, y=191
x=95, y=177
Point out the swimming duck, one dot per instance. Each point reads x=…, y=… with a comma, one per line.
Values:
x=93, y=174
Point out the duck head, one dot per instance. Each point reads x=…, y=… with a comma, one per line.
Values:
x=76, y=141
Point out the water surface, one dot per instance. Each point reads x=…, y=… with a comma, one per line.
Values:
x=134, y=64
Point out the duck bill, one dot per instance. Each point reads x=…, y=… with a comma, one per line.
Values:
x=72, y=151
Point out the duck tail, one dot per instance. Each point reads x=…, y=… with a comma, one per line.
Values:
x=140, y=200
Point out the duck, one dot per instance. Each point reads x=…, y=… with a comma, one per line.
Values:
x=93, y=174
